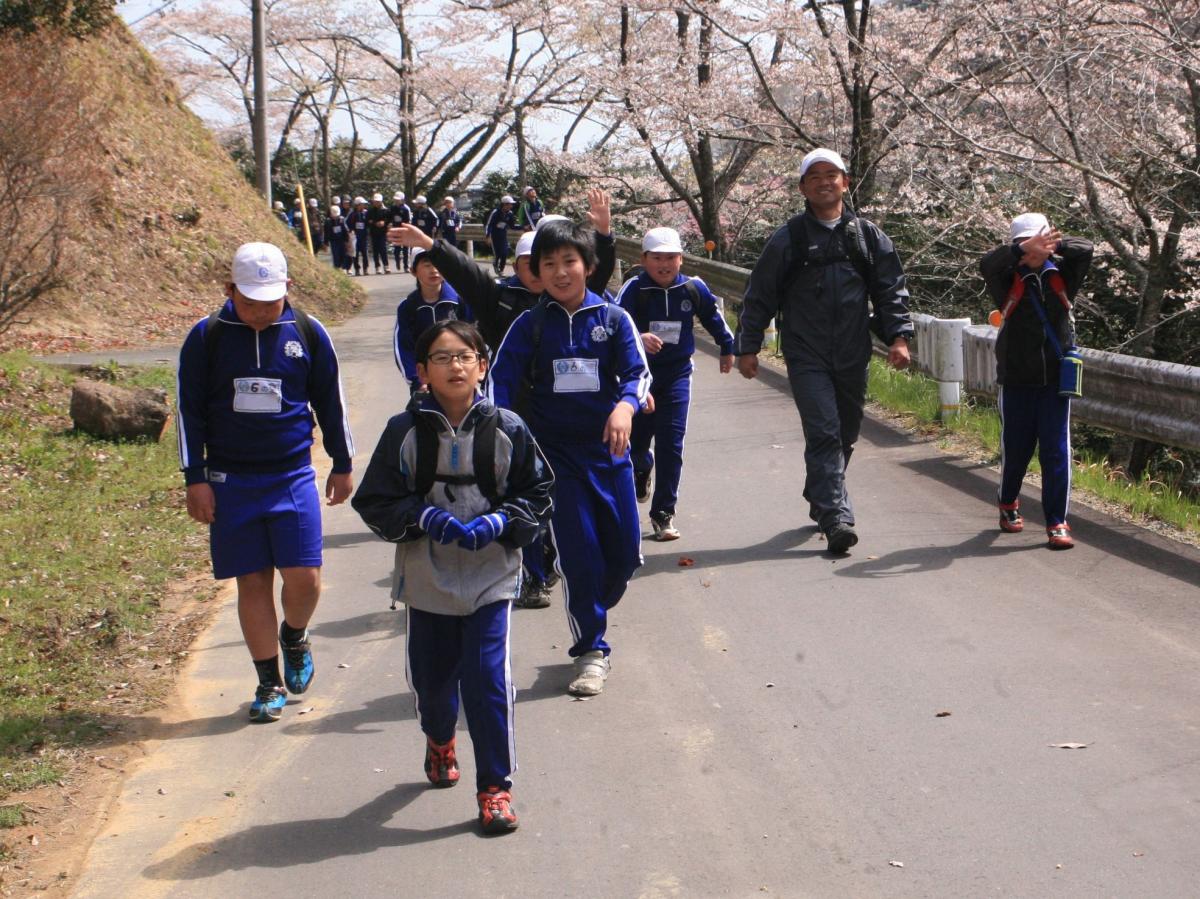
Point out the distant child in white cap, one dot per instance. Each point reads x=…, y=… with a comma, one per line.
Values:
x=1034, y=279
x=399, y=213
x=449, y=221
x=337, y=238
x=378, y=222
x=431, y=302
x=250, y=378
x=360, y=238
x=826, y=271
x=531, y=210
x=424, y=217
x=497, y=227
x=665, y=305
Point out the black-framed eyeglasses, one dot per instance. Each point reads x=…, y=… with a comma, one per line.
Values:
x=444, y=357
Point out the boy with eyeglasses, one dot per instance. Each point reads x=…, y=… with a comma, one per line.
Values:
x=459, y=486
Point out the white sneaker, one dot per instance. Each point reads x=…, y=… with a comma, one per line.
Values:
x=664, y=528
x=591, y=671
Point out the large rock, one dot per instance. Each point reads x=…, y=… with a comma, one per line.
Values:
x=107, y=410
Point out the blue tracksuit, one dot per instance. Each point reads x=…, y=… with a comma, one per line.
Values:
x=356, y=221
x=583, y=365
x=225, y=424
x=498, y=224
x=335, y=236
x=425, y=219
x=669, y=313
x=401, y=214
x=449, y=221
x=414, y=316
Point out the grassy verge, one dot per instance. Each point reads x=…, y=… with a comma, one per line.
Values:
x=915, y=397
x=91, y=534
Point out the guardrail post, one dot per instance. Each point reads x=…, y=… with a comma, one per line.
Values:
x=471, y=248
x=945, y=362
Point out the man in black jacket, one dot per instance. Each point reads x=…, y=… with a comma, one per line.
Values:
x=1034, y=279
x=823, y=271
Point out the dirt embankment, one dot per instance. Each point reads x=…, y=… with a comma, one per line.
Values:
x=154, y=252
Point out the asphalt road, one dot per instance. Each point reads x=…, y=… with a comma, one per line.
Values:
x=774, y=721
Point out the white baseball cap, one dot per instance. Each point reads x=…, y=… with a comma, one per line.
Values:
x=296, y=202
x=416, y=254
x=278, y=204
x=1027, y=224
x=335, y=209
x=821, y=154
x=337, y=201
x=552, y=217
x=662, y=240
x=420, y=200
x=312, y=201
x=528, y=188
x=525, y=244
x=398, y=195
x=358, y=200
x=260, y=272
x=506, y=199
x=376, y=198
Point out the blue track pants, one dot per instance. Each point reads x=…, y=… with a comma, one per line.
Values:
x=1038, y=416
x=667, y=426
x=449, y=653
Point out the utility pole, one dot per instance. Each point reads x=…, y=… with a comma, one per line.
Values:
x=262, y=162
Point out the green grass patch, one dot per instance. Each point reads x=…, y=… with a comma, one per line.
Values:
x=12, y=816
x=916, y=396
x=91, y=534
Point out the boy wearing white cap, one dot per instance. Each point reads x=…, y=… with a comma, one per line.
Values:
x=248, y=375
x=336, y=238
x=496, y=228
x=665, y=305
x=1034, y=279
x=378, y=221
x=356, y=222
x=531, y=211
x=824, y=271
x=399, y=213
x=424, y=217
x=449, y=221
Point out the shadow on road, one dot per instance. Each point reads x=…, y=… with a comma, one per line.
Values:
x=1092, y=529
x=550, y=683
x=308, y=841
x=782, y=546
x=369, y=718
x=386, y=623
x=933, y=558
x=337, y=541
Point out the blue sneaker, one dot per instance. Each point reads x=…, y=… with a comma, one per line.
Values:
x=268, y=704
x=297, y=664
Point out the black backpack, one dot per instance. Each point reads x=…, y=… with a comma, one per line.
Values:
x=483, y=456
x=858, y=251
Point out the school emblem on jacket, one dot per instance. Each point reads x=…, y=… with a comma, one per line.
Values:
x=293, y=349
x=599, y=334
x=686, y=306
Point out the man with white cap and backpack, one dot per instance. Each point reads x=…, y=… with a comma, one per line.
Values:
x=824, y=272
x=378, y=221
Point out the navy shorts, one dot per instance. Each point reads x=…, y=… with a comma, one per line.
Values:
x=265, y=521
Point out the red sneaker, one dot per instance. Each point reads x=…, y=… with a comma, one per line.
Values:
x=1059, y=536
x=441, y=764
x=495, y=811
x=1010, y=518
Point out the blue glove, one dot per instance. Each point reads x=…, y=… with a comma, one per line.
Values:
x=440, y=525
x=483, y=530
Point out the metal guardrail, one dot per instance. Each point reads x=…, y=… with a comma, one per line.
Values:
x=1143, y=398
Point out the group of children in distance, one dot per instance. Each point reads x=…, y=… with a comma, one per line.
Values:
x=461, y=482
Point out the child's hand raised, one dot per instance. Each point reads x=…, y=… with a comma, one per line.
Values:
x=599, y=210
x=409, y=236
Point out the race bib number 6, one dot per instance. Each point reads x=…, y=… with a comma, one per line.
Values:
x=576, y=375
x=257, y=394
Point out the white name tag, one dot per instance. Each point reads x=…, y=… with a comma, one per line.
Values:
x=337, y=229
x=576, y=375
x=360, y=225
x=667, y=332
x=257, y=394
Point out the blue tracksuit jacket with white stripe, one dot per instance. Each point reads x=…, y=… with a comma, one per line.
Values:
x=586, y=362
x=414, y=316
x=251, y=413
x=670, y=313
